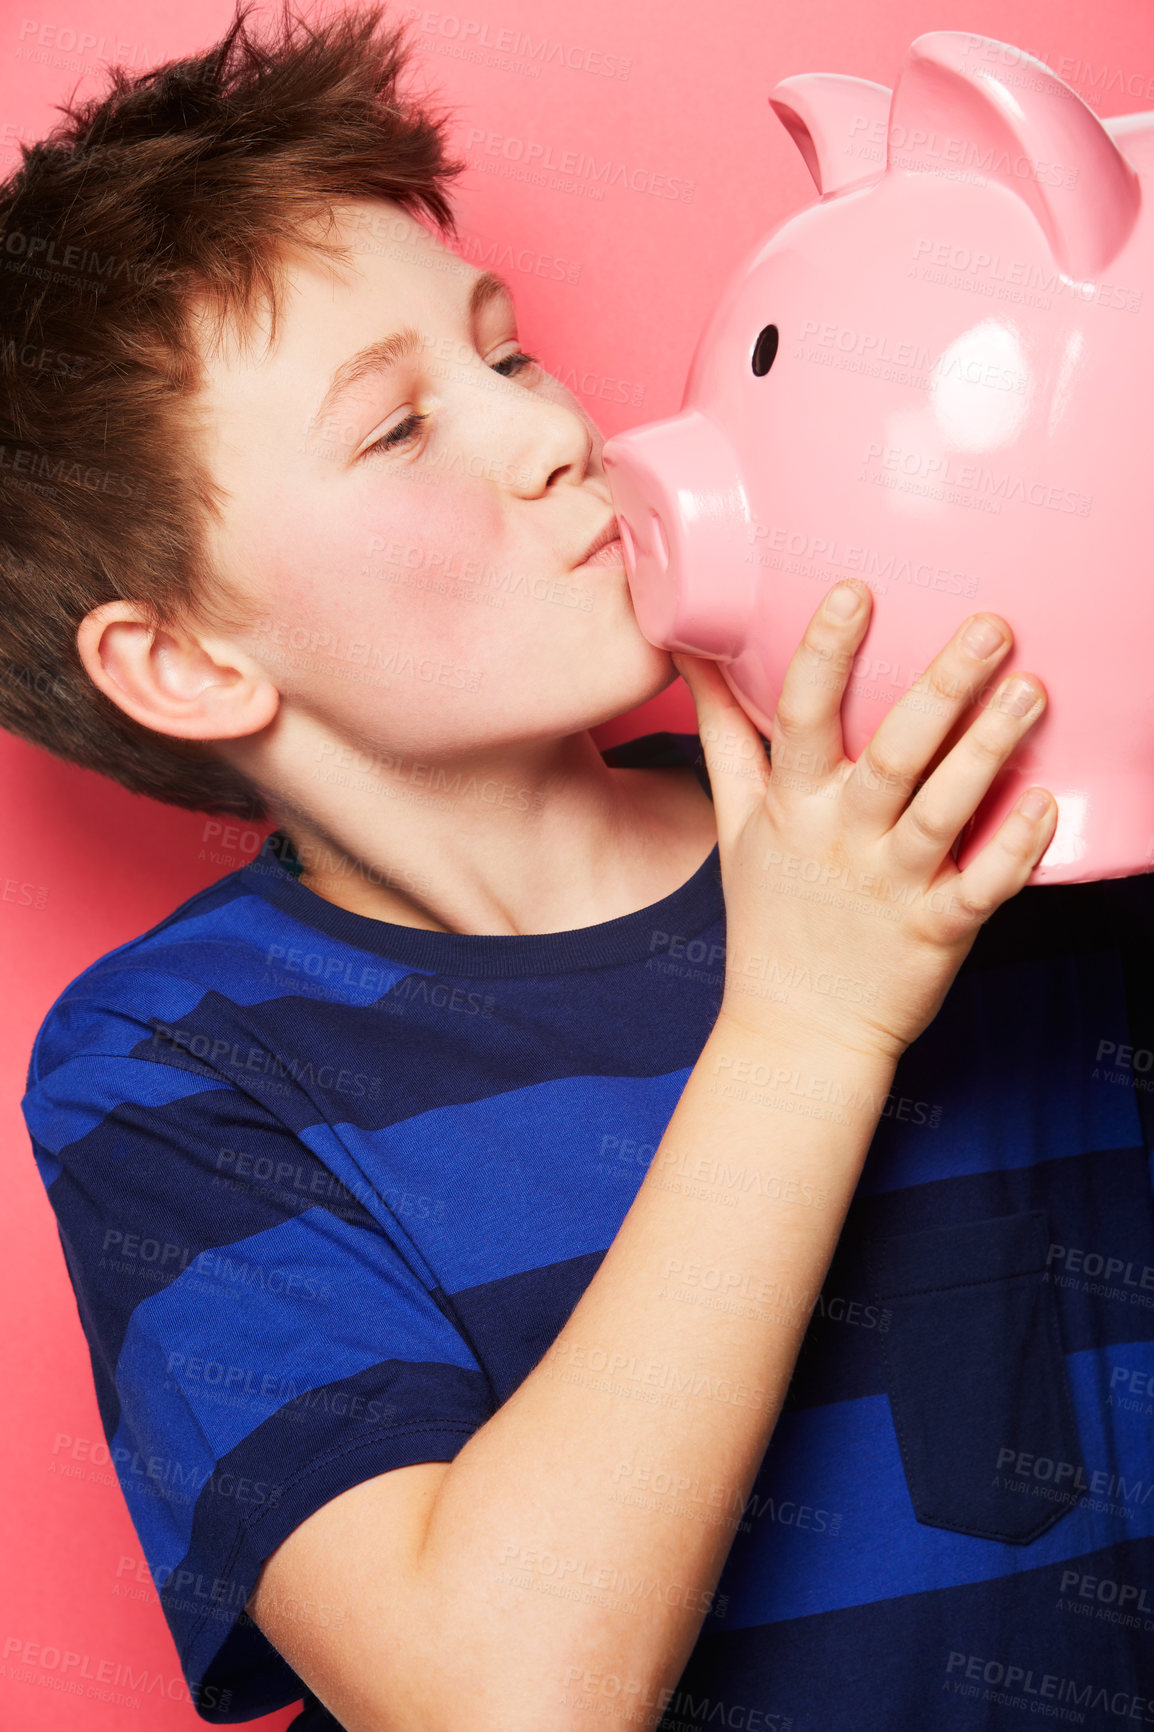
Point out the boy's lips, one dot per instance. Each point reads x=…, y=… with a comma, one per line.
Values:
x=610, y=531
x=608, y=554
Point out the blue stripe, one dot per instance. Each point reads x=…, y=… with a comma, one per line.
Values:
x=167, y=974
x=235, y=950
x=986, y=1063
x=108, y=1013
x=47, y=1165
x=554, y=1167
x=82, y=1091
x=843, y=1459
x=245, y=1329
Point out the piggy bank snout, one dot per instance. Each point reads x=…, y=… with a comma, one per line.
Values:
x=650, y=543
x=683, y=548
x=645, y=505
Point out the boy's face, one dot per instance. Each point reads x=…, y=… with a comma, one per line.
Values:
x=421, y=594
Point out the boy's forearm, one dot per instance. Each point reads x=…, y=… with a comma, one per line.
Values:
x=585, y=1525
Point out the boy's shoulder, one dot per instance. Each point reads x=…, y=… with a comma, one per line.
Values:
x=237, y=943
x=212, y=941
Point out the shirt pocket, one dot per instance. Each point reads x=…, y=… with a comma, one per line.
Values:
x=976, y=1376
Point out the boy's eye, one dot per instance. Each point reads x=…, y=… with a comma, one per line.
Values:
x=404, y=430
x=518, y=355
x=398, y=435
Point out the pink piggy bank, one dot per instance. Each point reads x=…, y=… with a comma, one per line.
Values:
x=938, y=378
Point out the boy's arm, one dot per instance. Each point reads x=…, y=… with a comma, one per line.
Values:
x=578, y=1535
x=557, y=1573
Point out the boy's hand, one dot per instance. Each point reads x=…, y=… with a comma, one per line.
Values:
x=846, y=916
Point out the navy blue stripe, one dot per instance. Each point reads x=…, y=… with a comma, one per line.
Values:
x=1099, y=1206
x=146, y=1191
x=432, y=1041
x=898, y=1665
x=695, y=905
x=304, y=1455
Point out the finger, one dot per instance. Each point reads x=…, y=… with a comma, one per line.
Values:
x=999, y=870
x=806, y=733
x=948, y=798
x=735, y=756
x=890, y=767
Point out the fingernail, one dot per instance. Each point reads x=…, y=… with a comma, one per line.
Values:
x=842, y=602
x=1035, y=803
x=983, y=638
x=1016, y=697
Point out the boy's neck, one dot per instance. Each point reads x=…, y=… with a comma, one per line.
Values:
x=577, y=845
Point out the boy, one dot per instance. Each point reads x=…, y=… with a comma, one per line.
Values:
x=447, y=1194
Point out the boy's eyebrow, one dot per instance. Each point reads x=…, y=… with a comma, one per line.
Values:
x=387, y=351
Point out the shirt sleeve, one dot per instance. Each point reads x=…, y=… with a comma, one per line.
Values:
x=259, y=1342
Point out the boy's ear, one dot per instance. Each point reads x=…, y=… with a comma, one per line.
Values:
x=173, y=681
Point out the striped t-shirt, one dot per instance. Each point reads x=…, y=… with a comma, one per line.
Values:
x=329, y=1187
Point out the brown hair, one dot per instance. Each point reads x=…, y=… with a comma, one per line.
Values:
x=187, y=183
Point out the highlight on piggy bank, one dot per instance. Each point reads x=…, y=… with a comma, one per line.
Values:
x=939, y=378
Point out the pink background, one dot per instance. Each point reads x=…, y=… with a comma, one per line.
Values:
x=641, y=273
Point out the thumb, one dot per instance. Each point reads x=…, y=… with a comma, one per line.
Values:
x=735, y=755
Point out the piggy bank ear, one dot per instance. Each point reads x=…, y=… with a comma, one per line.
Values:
x=838, y=124
x=966, y=103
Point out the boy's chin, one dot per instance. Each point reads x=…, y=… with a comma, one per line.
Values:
x=651, y=681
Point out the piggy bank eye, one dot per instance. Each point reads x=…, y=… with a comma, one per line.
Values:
x=764, y=350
